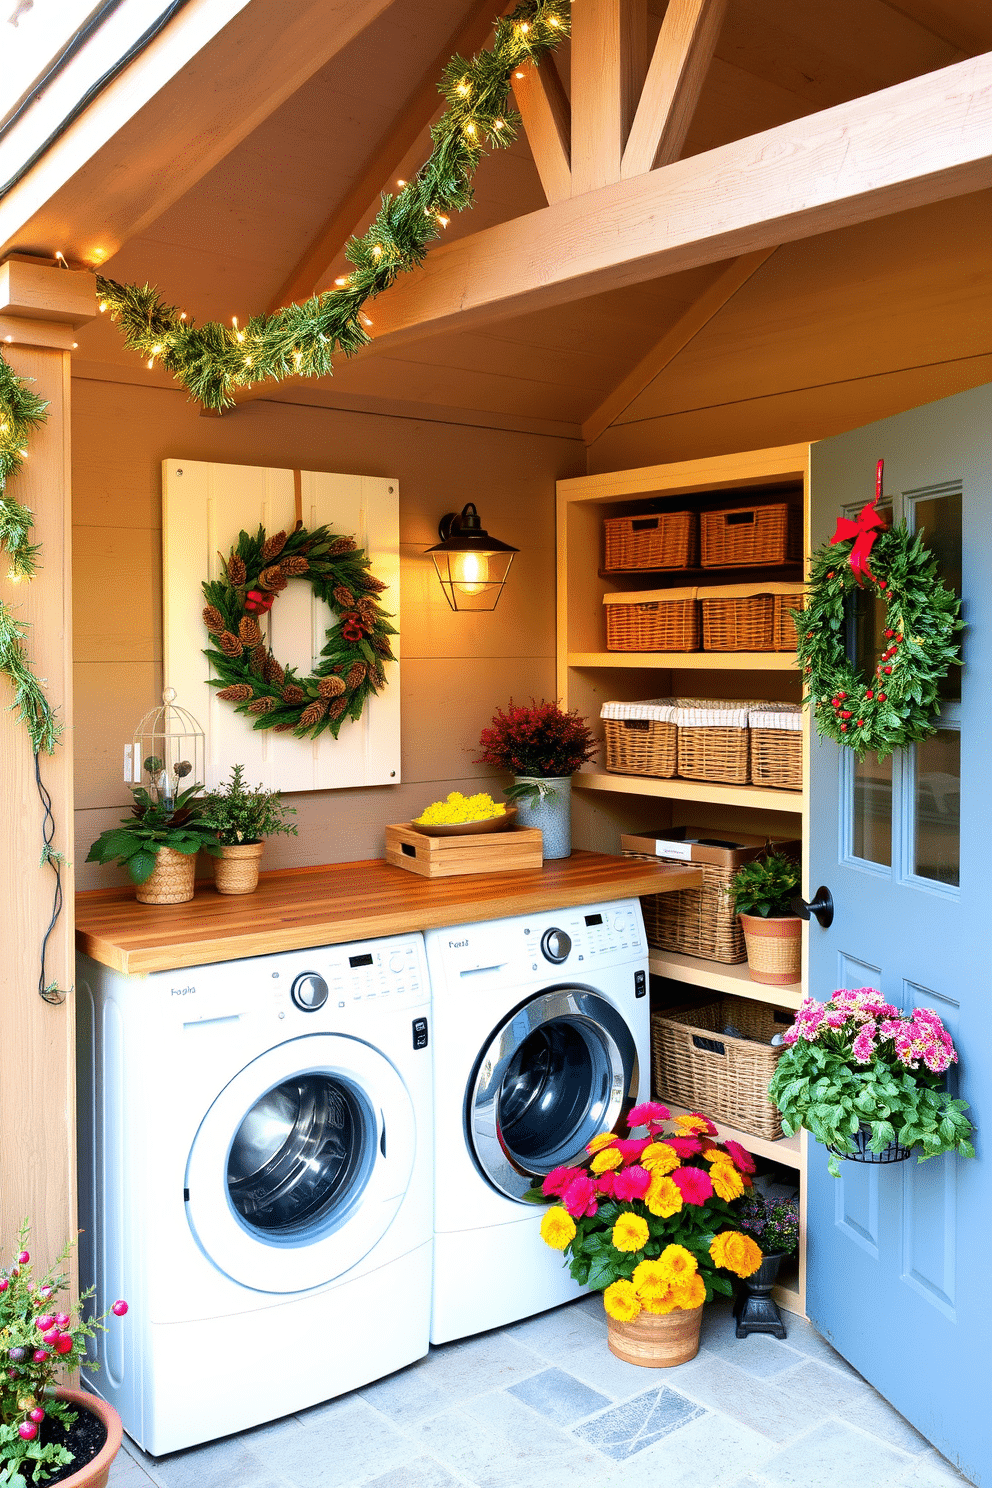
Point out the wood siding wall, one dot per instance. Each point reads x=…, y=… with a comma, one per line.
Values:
x=455, y=668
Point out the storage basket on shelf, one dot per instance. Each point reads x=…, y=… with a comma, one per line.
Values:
x=661, y=540
x=777, y=746
x=712, y=740
x=737, y=622
x=696, y=1063
x=784, y=628
x=745, y=536
x=655, y=620
x=640, y=737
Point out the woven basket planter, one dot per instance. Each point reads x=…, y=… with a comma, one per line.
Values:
x=653, y=621
x=236, y=870
x=656, y=1340
x=662, y=540
x=694, y=1063
x=784, y=628
x=738, y=624
x=746, y=536
x=172, y=880
x=774, y=949
x=777, y=747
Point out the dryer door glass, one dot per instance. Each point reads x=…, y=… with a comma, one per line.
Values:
x=560, y=1069
x=302, y=1155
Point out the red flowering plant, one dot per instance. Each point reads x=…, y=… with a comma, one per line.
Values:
x=536, y=743
x=649, y=1220
x=38, y=1343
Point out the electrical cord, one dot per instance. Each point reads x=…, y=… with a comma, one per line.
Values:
x=51, y=993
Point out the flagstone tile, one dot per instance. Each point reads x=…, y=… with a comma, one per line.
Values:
x=930, y=1470
x=803, y=1337
x=636, y=1424
x=709, y=1452
x=768, y=1406
x=559, y=1333
x=359, y=1443
x=450, y=1374
x=758, y=1355
x=496, y=1442
x=596, y=1366
x=559, y=1395
x=877, y=1416
x=423, y=1472
x=216, y=1465
x=817, y=1385
x=834, y=1455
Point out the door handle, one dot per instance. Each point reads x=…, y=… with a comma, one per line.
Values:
x=822, y=906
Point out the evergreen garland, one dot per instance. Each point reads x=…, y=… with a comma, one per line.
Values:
x=212, y=360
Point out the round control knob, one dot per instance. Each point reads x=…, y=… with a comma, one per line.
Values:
x=396, y=962
x=309, y=991
x=555, y=945
x=618, y=923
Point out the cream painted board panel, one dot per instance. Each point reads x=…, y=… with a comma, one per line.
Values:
x=204, y=506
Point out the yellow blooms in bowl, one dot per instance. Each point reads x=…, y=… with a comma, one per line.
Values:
x=459, y=808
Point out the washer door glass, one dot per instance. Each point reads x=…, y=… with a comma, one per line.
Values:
x=560, y=1069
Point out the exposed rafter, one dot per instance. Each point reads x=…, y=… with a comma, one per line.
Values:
x=681, y=59
x=609, y=58
x=544, y=109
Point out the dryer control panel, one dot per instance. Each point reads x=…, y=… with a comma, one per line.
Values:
x=573, y=941
x=344, y=976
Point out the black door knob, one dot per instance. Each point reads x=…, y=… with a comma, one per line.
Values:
x=821, y=905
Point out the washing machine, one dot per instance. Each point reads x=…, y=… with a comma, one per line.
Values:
x=541, y=1040
x=255, y=1173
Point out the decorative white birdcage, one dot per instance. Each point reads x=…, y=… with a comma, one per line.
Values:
x=167, y=755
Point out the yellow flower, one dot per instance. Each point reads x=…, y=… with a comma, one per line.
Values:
x=690, y=1293
x=660, y=1158
x=727, y=1182
x=650, y=1276
x=601, y=1139
x=677, y=1262
x=557, y=1228
x=663, y=1197
x=686, y=1125
x=630, y=1232
x=620, y=1301
x=736, y=1252
x=659, y=1302
x=608, y=1158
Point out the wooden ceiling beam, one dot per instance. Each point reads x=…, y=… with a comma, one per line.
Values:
x=609, y=59
x=676, y=74
x=675, y=339
x=924, y=140
x=544, y=109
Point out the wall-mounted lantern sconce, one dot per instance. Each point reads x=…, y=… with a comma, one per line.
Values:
x=471, y=566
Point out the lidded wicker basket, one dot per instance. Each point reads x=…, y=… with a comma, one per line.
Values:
x=712, y=740
x=640, y=737
x=653, y=620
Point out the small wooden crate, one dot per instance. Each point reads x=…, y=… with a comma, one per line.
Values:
x=739, y=624
x=660, y=540
x=696, y=1064
x=654, y=620
x=784, y=628
x=511, y=851
x=745, y=536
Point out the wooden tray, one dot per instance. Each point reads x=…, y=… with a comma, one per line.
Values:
x=442, y=857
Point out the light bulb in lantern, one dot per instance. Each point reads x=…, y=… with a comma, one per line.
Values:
x=470, y=571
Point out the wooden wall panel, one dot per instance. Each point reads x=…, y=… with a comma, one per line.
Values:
x=456, y=668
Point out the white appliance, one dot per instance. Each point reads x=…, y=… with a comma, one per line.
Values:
x=541, y=1040
x=255, y=1179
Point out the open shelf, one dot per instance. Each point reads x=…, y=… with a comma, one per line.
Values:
x=690, y=790
x=693, y=661
x=784, y=1151
x=717, y=976
x=742, y=574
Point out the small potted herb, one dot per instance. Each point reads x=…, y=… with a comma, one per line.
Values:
x=242, y=818
x=542, y=746
x=774, y=1225
x=763, y=892
x=159, y=842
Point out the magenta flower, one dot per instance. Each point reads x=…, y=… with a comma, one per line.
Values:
x=631, y=1183
x=649, y=1113
x=863, y=1047
x=579, y=1198
x=693, y=1184
x=741, y=1156
x=606, y=1185
x=557, y=1181
x=684, y=1146
x=630, y=1148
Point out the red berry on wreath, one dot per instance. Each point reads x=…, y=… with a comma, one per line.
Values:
x=882, y=584
x=889, y=634
x=869, y=695
x=830, y=574
x=860, y=723
x=887, y=671
x=881, y=697
x=842, y=694
x=845, y=713
x=843, y=728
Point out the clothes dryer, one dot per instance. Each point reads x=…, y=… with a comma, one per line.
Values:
x=541, y=1040
x=255, y=1178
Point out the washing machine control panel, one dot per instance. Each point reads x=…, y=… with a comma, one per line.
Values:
x=309, y=992
x=347, y=976
x=572, y=941
x=590, y=935
x=555, y=945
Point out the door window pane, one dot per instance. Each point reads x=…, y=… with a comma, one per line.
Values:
x=938, y=518
x=871, y=834
x=936, y=845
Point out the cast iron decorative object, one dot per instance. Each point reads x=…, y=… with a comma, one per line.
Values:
x=755, y=1310
x=471, y=566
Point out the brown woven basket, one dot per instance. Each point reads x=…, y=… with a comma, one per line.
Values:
x=698, y=922
x=656, y=625
x=695, y=1064
x=172, y=880
x=784, y=627
x=236, y=871
x=717, y=754
x=777, y=758
x=640, y=746
x=748, y=535
x=738, y=624
x=661, y=540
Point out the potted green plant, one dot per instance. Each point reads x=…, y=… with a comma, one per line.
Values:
x=159, y=841
x=542, y=746
x=242, y=818
x=774, y=1225
x=763, y=892
x=869, y=1080
x=45, y=1427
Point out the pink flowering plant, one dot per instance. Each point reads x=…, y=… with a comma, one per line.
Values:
x=38, y=1342
x=859, y=1062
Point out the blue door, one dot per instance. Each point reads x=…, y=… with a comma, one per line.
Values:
x=899, y=1257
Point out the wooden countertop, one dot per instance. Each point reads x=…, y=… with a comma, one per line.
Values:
x=300, y=907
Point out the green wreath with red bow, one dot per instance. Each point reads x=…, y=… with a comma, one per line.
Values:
x=900, y=703
x=355, y=650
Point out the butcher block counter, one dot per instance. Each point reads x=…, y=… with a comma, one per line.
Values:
x=294, y=908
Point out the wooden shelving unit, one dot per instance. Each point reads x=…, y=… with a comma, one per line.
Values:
x=607, y=804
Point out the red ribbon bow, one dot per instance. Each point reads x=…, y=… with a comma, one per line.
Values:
x=864, y=531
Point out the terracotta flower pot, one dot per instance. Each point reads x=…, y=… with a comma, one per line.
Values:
x=171, y=881
x=656, y=1340
x=236, y=870
x=774, y=948
x=94, y=1474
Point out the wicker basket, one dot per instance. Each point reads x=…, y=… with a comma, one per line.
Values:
x=640, y=738
x=784, y=627
x=696, y=1064
x=660, y=620
x=236, y=870
x=172, y=880
x=712, y=742
x=777, y=747
x=738, y=624
x=661, y=540
x=746, y=536
x=698, y=922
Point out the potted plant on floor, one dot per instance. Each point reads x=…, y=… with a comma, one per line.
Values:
x=763, y=893
x=542, y=746
x=649, y=1221
x=158, y=842
x=242, y=819
x=868, y=1080
x=774, y=1225
x=48, y=1433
